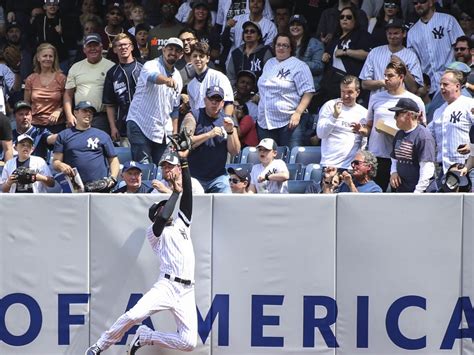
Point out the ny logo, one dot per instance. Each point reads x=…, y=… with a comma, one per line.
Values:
x=282, y=74
x=93, y=143
x=345, y=45
x=455, y=117
x=256, y=65
x=438, y=33
x=183, y=233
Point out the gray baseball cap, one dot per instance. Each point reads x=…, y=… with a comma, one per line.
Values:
x=169, y=157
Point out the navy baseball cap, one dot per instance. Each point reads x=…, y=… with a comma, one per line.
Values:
x=21, y=105
x=395, y=23
x=298, y=18
x=13, y=25
x=169, y=157
x=197, y=3
x=93, y=37
x=131, y=165
x=215, y=91
x=253, y=24
x=242, y=173
x=248, y=73
x=84, y=105
x=405, y=104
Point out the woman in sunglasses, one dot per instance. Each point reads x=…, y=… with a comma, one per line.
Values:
x=391, y=9
x=251, y=55
x=346, y=53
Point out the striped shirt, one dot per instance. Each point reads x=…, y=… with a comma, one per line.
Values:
x=450, y=128
x=379, y=57
x=338, y=143
x=153, y=104
x=432, y=42
x=381, y=144
x=269, y=30
x=174, y=247
x=281, y=87
x=197, y=88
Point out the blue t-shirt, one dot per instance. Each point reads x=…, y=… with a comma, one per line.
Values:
x=40, y=136
x=410, y=149
x=208, y=160
x=370, y=186
x=87, y=151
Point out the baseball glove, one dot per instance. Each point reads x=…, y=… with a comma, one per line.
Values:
x=181, y=141
x=25, y=175
x=12, y=57
x=101, y=185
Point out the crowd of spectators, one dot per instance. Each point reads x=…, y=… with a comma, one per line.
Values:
x=385, y=87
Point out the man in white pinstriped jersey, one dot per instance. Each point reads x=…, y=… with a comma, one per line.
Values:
x=432, y=38
x=154, y=110
x=174, y=291
x=372, y=73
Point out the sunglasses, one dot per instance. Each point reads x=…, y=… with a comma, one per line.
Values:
x=234, y=181
x=460, y=49
x=282, y=45
x=390, y=5
x=348, y=17
x=464, y=18
x=416, y=2
x=250, y=31
x=357, y=162
x=215, y=99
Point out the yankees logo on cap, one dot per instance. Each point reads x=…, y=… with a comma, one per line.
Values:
x=215, y=91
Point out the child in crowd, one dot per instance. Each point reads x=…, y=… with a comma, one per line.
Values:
x=141, y=36
x=271, y=175
x=239, y=180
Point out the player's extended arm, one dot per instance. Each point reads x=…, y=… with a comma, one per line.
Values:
x=186, y=205
x=165, y=214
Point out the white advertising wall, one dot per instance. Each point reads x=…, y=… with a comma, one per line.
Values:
x=295, y=274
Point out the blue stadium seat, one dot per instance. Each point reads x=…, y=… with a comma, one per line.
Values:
x=296, y=171
x=313, y=172
x=148, y=171
x=298, y=186
x=124, y=154
x=157, y=173
x=305, y=155
x=250, y=154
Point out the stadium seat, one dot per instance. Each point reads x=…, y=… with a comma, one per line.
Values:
x=305, y=155
x=295, y=170
x=313, y=172
x=124, y=154
x=148, y=171
x=298, y=186
x=250, y=154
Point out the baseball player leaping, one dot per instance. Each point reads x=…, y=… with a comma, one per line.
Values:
x=174, y=290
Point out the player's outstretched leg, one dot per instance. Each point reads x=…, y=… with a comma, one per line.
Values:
x=93, y=350
x=135, y=344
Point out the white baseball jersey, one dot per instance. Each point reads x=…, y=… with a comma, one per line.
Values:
x=197, y=89
x=153, y=104
x=281, y=87
x=36, y=163
x=381, y=144
x=175, y=250
x=272, y=187
x=269, y=30
x=432, y=42
x=339, y=143
x=379, y=57
x=450, y=128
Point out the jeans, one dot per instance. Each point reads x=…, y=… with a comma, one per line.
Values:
x=219, y=184
x=143, y=149
x=285, y=136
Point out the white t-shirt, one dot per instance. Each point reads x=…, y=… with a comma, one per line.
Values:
x=36, y=163
x=339, y=143
x=272, y=187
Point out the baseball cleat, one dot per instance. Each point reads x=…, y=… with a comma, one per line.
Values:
x=135, y=344
x=93, y=350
